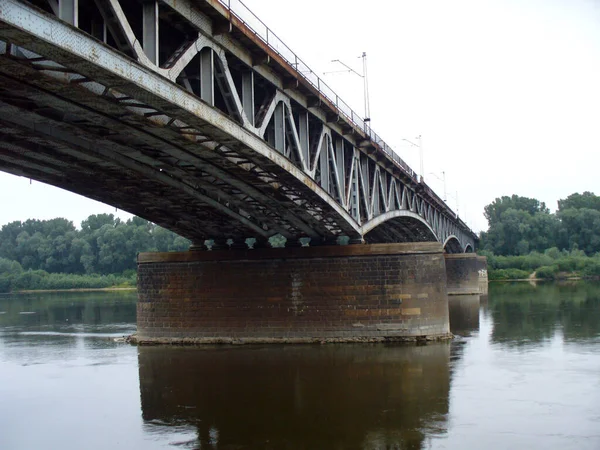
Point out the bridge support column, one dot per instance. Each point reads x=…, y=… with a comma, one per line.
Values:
x=352, y=293
x=462, y=272
x=483, y=275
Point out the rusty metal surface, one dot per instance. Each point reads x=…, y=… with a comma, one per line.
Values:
x=326, y=251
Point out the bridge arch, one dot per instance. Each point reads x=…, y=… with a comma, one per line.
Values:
x=398, y=226
x=452, y=245
x=469, y=248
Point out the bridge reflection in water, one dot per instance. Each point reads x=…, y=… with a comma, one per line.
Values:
x=464, y=314
x=350, y=396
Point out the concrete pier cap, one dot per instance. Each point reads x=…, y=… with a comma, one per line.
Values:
x=352, y=293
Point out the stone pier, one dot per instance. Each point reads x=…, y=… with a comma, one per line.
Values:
x=353, y=293
x=466, y=274
x=483, y=275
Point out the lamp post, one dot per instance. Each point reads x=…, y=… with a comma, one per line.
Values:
x=443, y=179
x=420, y=147
x=455, y=197
x=363, y=75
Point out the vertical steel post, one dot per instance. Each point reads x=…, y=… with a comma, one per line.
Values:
x=421, y=157
x=339, y=159
x=324, y=163
x=150, y=30
x=303, y=136
x=279, y=122
x=207, y=75
x=68, y=10
x=375, y=195
x=248, y=95
x=366, y=88
x=354, y=203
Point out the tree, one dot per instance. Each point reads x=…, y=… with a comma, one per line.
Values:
x=518, y=225
x=579, y=215
x=578, y=201
x=104, y=244
x=581, y=228
x=493, y=212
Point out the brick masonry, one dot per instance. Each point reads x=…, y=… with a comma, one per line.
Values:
x=372, y=292
x=462, y=273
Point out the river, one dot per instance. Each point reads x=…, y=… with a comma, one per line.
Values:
x=523, y=373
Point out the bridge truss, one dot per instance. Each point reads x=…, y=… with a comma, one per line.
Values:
x=184, y=113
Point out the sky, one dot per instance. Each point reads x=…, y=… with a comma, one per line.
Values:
x=505, y=94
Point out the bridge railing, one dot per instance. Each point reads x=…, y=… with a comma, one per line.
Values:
x=258, y=27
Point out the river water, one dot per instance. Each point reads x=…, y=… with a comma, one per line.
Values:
x=524, y=373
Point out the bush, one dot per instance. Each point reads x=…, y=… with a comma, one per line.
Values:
x=41, y=280
x=547, y=272
x=5, y=284
x=508, y=274
x=592, y=269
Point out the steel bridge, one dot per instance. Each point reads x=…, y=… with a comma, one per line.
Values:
x=194, y=115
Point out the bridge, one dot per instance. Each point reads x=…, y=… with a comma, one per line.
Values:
x=196, y=116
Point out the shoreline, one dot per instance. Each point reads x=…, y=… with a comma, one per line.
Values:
x=47, y=291
x=542, y=279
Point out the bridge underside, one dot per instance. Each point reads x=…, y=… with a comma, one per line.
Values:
x=229, y=150
x=406, y=228
x=94, y=145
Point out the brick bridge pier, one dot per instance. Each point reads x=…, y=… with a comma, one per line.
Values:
x=353, y=293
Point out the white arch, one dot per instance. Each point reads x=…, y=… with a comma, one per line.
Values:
x=449, y=238
x=382, y=218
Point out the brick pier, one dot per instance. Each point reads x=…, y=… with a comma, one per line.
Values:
x=354, y=293
x=466, y=274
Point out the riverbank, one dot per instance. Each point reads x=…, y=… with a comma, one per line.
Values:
x=52, y=291
x=553, y=264
x=40, y=280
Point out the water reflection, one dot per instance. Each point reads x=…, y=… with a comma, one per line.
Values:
x=346, y=396
x=525, y=314
x=464, y=314
x=61, y=312
x=36, y=327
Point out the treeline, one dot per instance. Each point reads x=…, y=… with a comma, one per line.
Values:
x=104, y=244
x=54, y=254
x=551, y=264
x=520, y=225
x=525, y=237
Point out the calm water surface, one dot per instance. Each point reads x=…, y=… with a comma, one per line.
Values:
x=525, y=373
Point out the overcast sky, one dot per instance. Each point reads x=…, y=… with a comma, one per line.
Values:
x=506, y=94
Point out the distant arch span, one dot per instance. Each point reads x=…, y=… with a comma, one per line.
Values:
x=452, y=245
x=398, y=226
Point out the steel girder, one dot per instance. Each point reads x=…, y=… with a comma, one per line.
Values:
x=199, y=133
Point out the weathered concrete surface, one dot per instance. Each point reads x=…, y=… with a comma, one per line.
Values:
x=355, y=293
x=462, y=273
x=483, y=275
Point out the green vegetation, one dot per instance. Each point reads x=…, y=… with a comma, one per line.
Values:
x=53, y=254
x=18, y=279
x=524, y=237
